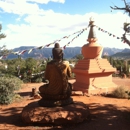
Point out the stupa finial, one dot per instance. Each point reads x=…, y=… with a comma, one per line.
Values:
x=92, y=34
x=91, y=22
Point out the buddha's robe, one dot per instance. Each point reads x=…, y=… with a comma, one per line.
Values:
x=57, y=73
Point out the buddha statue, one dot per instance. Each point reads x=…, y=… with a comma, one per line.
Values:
x=58, y=90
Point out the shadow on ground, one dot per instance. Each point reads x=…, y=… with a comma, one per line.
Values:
x=105, y=117
x=25, y=94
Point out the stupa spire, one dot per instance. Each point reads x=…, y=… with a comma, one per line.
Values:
x=92, y=34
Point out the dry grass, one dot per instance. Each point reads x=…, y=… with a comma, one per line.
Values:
x=120, y=92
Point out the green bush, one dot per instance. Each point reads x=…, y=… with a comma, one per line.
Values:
x=120, y=92
x=38, y=80
x=8, y=86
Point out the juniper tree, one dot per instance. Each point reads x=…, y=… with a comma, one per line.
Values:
x=3, y=51
x=3, y=48
x=1, y=35
x=126, y=25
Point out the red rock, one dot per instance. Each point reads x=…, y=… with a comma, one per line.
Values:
x=73, y=113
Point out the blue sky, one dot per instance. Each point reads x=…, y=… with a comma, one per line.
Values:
x=40, y=22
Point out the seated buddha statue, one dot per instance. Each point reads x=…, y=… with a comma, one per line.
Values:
x=57, y=72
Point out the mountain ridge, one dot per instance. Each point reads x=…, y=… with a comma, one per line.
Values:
x=69, y=52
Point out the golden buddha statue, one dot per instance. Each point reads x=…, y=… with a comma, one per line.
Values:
x=57, y=72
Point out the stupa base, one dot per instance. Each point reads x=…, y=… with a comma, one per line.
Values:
x=104, y=88
x=94, y=76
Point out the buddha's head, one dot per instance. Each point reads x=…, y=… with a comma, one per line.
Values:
x=57, y=45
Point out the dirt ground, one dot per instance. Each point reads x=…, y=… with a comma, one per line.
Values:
x=107, y=113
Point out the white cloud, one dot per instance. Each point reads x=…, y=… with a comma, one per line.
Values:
x=42, y=30
x=46, y=1
x=19, y=8
x=44, y=27
x=63, y=22
x=35, y=1
x=22, y=7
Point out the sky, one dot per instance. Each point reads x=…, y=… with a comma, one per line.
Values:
x=40, y=22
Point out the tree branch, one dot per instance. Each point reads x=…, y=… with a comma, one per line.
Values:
x=125, y=39
x=117, y=8
x=126, y=8
x=2, y=36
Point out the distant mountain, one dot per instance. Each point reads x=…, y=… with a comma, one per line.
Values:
x=69, y=52
x=124, y=54
x=111, y=51
x=126, y=50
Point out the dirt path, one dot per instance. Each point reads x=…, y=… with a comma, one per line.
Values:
x=107, y=113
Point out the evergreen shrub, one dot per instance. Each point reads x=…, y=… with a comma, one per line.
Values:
x=8, y=86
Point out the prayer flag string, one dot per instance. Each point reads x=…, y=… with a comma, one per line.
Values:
x=123, y=39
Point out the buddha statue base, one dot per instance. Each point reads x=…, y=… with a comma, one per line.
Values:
x=53, y=103
x=54, y=97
